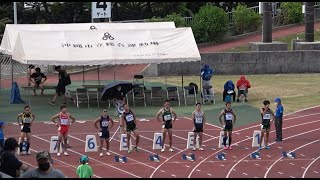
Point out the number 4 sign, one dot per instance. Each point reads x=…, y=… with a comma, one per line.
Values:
x=101, y=10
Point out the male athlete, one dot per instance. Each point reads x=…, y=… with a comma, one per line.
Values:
x=27, y=119
x=103, y=121
x=199, y=120
x=63, y=127
x=129, y=124
x=266, y=114
x=167, y=122
x=229, y=120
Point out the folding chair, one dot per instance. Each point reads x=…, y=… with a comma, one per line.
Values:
x=173, y=94
x=186, y=94
x=138, y=94
x=156, y=93
x=81, y=96
x=207, y=95
x=138, y=80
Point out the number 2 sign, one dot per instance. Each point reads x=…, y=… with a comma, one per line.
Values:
x=101, y=10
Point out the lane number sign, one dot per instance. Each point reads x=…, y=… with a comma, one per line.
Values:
x=101, y=10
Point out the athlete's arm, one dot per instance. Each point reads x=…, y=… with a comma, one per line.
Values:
x=55, y=117
x=45, y=78
x=73, y=119
x=134, y=118
x=272, y=114
x=234, y=117
x=220, y=116
x=204, y=119
x=174, y=114
x=122, y=124
x=263, y=112
x=18, y=118
x=96, y=122
x=158, y=115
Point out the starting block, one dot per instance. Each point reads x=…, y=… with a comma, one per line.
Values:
x=120, y=159
x=190, y=158
x=289, y=155
x=255, y=155
x=154, y=158
x=24, y=146
x=221, y=156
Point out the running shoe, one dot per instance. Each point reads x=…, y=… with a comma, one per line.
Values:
x=101, y=154
x=225, y=148
x=162, y=150
x=230, y=148
x=28, y=153
x=267, y=147
x=260, y=148
x=137, y=149
x=129, y=151
x=171, y=150
x=108, y=154
x=194, y=149
x=58, y=154
x=66, y=154
x=201, y=149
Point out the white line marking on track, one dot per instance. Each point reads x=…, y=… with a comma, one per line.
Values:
x=234, y=156
x=234, y=170
x=279, y=147
x=303, y=167
x=292, y=176
x=15, y=124
x=173, y=175
x=123, y=171
x=198, y=170
x=162, y=171
x=291, y=164
x=222, y=165
x=305, y=171
x=209, y=174
x=280, y=172
x=257, y=164
x=187, y=166
x=316, y=172
x=268, y=155
x=302, y=155
x=245, y=174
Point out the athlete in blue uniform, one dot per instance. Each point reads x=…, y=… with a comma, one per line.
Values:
x=229, y=120
x=103, y=122
x=167, y=122
x=27, y=119
x=266, y=114
x=129, y=124
x=199, y=120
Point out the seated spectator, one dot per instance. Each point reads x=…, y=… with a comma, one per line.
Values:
x=45, y=169
x=10, y=165
x=229, y=89
x=191, y=90
x=2, y=124
x=243, y=85
x=37, y=80
x=206, y=75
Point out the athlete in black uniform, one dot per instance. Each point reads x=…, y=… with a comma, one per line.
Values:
x=199, y=120
x=266, y=114
x=229, y=120
x=27, y=119
x=167, y=122
x=103, y=122
x=129, y=124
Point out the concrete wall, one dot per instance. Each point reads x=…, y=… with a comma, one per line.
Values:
x=248, y=63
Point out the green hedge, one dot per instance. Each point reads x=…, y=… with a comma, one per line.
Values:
x=246, y=20
x=210, y=24
x=291, y=12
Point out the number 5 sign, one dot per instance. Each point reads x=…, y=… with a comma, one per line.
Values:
x=100, y=10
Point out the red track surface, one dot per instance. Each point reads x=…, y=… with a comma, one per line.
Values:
x=301, y=134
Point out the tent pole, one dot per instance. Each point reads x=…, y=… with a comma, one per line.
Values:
x=11, y=70
x=200, y=81
x=99, y=74
x=82, y=74
x=181, y=76
x=1, y=71
x=165, y=77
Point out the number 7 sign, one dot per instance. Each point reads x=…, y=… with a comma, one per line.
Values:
x=100, y=10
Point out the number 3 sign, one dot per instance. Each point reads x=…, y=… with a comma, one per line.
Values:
x=101, y=10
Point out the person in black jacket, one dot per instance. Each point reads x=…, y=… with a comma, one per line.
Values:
x=229, y=87
x=61, y=87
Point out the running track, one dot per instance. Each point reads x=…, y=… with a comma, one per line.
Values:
x=301, y=134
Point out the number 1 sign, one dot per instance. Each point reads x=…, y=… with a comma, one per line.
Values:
x=100, y=10
x=256, y=138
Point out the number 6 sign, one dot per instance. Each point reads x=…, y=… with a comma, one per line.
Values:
x=101, y=10
x=91, y=144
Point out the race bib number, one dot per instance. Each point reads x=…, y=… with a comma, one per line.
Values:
x=100, y=133
x=167, y=117
x=229, y=116
x=129, y=118
x=266, y=116
x=105, y=123
x=26, y=120
x=198, y=120
x=64, y=121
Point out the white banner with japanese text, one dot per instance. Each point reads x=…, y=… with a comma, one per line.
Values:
x=11, y=32
x=106, y=47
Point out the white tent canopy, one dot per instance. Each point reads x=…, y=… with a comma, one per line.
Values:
x=106, y=47
x=12, y=30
